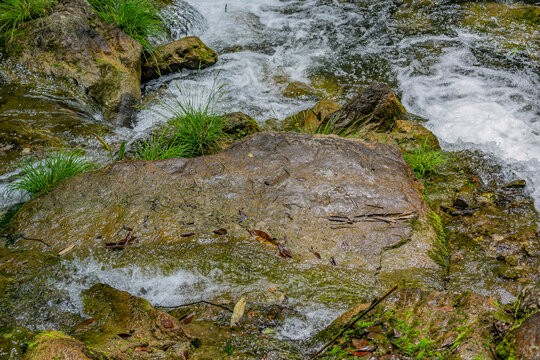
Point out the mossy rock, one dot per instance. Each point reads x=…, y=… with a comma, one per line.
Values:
x=50, y=345
x=239, y=125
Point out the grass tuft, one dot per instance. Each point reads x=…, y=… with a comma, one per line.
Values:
x=15, y=12
x=194, y=121
x=138, y=18
x=37, y=175
x=160, y=147
x=424, y=161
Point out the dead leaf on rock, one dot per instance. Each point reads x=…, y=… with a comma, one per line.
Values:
x=115, y=246
x=263, y=237
x=359, y=353
x=66, y=250
x=189, y=318
x=143, y=348
x=221, y=231
x=360, y=343
x=317, y=255
x=238, y=310
x=283, y=250
x=187, y=234
x=125, y=335
x=167, y=324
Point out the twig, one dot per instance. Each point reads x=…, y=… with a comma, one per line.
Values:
x=38, y=240
x=195, y=303
x=375, y=303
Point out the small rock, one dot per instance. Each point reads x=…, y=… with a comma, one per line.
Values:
x=187, y=53
x=516, y=184
x=297, y=89
x=240, y=125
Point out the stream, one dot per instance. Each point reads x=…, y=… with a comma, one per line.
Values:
x=469, y=84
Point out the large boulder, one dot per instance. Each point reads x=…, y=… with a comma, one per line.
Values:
x=333, y=203
x=74, y=46
x=374, y=108
x=187, y=53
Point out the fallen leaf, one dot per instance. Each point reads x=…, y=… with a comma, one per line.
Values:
x=238, y=310
x=187, y=234
x=221, y=231
x=185, y=355
x=332, y=261
x=189, y=318
x=360, y=343
x=167, y=324
x=262, y=237
x=283, y=250
x=66, y=250
x=114, y=246
x=124, y=335
x=87, y=322
x=280, y=254
x=143, y=348
x=359, y=353
x=243, y=215
x=317, y=255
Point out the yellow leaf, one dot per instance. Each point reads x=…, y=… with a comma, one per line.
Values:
x=238, y=310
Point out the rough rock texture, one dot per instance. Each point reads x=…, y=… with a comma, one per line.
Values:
x=529, y=300
x=522, y=343
x=75, y=46
x=240, y=125
x=374, y=108
x=421, y=324
x=56, y=345
x=187, y=53
x=352, y=202
x=116, y=312
x=310, y=119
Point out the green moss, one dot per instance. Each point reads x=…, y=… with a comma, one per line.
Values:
x=507, y=348
x=440, y=251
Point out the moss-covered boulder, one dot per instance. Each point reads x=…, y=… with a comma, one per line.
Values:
x=187, y=53
x=374, y=108
x=523, y=342
x=239, y=125
x=121, y=323
x=50, y=345
x=297, y=89
x=72, y=45
x=309, y=120
x=420, y=324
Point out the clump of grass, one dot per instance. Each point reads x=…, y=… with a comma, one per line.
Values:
x=424, y=161
x=15, y=12
x=194, y=121
x=138, y=18
x=160, y=147
x=37, y=175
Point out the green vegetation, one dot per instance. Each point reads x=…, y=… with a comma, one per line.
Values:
x=38, y=175
x=424, y=160
x=194, y=127
x=15, y=12
x=138, y=18
x=160, y=147
x=440, y=251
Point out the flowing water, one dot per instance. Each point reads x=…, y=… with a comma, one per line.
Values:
x=457, y=73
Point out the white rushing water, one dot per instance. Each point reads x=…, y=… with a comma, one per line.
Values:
x=473, y=94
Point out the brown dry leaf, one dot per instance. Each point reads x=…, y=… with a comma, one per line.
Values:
x=238, y=310
x=359, y=343
x=115, y=246
x=189, y=318
x=187, y=234
x=221, y=231
x=167, y=324
x=283, y=250
x=359, y=353
x=143, y=348
x=66, y=250
x=262, y=237
x=317, y=255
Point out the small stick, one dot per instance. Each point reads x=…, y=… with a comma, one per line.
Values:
x=195, y=303
x=38, y=240
x=375, y=303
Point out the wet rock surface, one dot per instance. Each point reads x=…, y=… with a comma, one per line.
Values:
x=336, y=197
x=187, y=53
x=76, y=47
x=415, y=323
x=374, y=108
